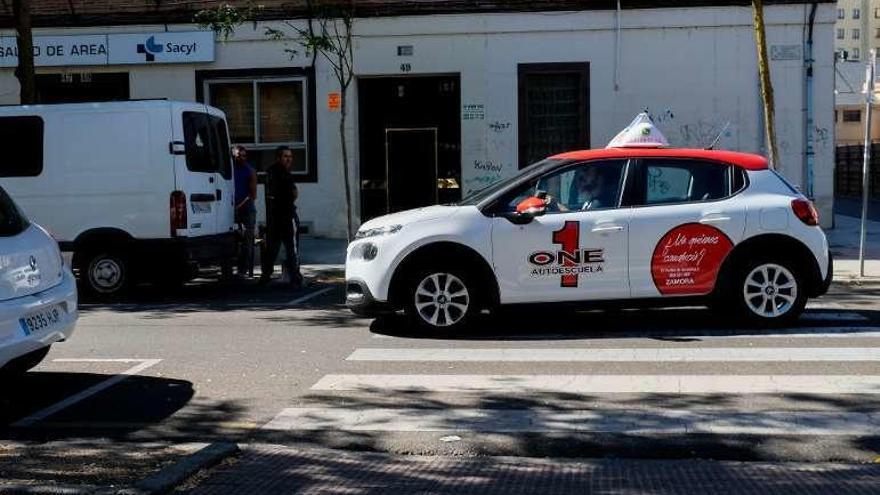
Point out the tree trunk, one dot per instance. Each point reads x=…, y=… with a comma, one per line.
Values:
x=25, y=70
x=343, y=111
x=766, y=84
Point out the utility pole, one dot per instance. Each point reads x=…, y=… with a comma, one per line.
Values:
x=866, y=163
x=21, y=9
x=766, y=83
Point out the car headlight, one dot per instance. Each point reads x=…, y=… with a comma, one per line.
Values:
x=386, y=230
x=366, y=251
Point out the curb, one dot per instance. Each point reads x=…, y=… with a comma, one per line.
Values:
x=24, y=489
x=171, y=476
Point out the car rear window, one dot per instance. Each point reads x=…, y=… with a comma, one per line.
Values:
x=12, y=221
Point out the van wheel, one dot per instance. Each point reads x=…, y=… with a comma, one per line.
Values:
x=24, y=363
x=442, y=300
x=106, y=273
x=769, y=292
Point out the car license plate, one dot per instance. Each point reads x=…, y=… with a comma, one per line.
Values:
x=42, y=320
x=201, y=207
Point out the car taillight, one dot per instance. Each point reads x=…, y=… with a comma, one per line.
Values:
x=178, y=211
x=805, y=211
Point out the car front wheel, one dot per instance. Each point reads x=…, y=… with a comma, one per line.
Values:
x=770, y=292
x=442, y=300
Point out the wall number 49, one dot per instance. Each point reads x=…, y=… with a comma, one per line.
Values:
x=405, y=67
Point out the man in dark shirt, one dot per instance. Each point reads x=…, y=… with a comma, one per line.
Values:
x=245, y=208
x=281, y=193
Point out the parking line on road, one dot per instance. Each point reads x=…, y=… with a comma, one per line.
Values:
x=310, y=296
x=548, y=420
x=704, y=335
x=605, y=384
x=636, y=355
x=85, y=394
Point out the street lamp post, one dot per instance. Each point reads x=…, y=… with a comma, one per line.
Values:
x=866, y=164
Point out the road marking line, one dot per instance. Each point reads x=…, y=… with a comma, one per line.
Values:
x=90, y=360
x=94, y=389
x=310, y=296
x=606, y=384
x=636, y=355
x=546, y=420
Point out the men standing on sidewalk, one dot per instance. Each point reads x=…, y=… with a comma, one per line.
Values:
x=245, y=208
x=281, y=194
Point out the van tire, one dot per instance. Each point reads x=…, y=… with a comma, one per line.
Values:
x=457, y=296
x=106, y=274
x=23, y=364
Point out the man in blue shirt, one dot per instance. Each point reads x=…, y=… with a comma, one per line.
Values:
x=245, y=208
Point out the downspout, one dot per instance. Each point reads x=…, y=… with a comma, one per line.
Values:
x=617, y=48
x=809, y=125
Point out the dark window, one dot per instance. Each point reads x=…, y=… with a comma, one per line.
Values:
x=197, y=136
x=222, y=147
x=852, y=115
x=855, y=54
x=553, y=110
x=857, y=34
x=739, y=179
x=683, y=181
x=857, y=13
x=21, y=139
x=841, y=33
x=12, y=221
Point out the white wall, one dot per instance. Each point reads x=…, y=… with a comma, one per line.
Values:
x=693, y=68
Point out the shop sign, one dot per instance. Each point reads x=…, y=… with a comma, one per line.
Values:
x=114, y=49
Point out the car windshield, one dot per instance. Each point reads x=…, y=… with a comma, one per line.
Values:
x=478, y=196
x=12, y=221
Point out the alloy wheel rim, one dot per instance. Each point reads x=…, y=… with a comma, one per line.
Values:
x=770, y=290
x=106, y=274
x=442, y=299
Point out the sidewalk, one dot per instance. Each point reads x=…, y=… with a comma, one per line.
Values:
x=271, y=469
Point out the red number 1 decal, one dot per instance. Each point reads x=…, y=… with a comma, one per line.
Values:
x=569, y=238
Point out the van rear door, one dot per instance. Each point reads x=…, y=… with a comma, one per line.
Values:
x=196, y=168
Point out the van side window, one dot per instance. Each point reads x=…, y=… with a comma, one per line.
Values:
x=197, y=138
x=21, y=139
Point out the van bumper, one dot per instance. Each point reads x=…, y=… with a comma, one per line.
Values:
x=204, y=250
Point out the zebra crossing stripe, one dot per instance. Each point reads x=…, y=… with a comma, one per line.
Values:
x=548, y=420
x=606, y=384
x=635, y=355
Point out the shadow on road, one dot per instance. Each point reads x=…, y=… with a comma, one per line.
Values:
x=671, y=324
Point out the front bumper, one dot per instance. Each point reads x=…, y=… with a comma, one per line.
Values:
x=13, y=341
x=361, y=302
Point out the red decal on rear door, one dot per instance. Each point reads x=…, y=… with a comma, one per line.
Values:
x=687, y=259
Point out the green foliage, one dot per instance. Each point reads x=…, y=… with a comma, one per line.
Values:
x=224, y=19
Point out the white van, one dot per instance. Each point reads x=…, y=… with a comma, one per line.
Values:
x=132, y=190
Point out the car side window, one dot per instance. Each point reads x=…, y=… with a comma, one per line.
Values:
x=684, y=181
x=585, y=187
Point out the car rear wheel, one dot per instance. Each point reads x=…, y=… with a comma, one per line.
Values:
x=770, y=292
x=442, y=299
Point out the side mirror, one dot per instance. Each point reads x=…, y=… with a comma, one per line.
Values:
x=527, y=210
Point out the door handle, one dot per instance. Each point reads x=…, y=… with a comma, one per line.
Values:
x=714, y=219
x=608, y=228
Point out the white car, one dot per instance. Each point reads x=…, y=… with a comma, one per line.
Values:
x=37, y=292
x=671, y=226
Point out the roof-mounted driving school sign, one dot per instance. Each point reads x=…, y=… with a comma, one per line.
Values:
x=114, y=49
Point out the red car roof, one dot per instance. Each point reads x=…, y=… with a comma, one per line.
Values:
x=747, y=161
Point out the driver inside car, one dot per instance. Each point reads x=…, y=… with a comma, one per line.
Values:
x=586, y=191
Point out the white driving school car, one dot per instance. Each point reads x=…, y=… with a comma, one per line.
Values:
x=672, y=226
x=37, y=292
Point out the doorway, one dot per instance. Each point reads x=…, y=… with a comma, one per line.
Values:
x=410, y=142
x=82, y=87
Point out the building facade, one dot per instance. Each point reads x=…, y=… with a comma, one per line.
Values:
x=857, y=29
x=448, y=99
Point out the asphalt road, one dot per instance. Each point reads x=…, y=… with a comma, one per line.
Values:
x=242, y=363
